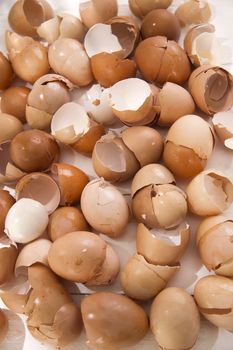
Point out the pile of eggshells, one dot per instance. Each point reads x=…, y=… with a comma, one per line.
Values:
x=131, y=73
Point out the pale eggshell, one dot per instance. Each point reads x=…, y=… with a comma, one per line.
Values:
x=9, y=173
x=174, y=319
x=222, y=123
x=141, y=8
x=162, y=247
x=94, y=11
x=8, y=256
x=26, y=220
x=210, y=193
x=18, y=20
x=115, y=319
x=10, y=127
x=105, y=208
x=193, y=12
x=3, y=326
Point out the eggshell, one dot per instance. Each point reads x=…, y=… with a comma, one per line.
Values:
x=87, y=142
x=105, y=208
x=18, y=20
x=9, y=174
x=77, y=256
x=151, y=143
x=94, y=11
x=115, y=319
x=222, y=123
x=174, y=319
x=7, y=73
x=26, y=220
x=3, y=326
x=162, y=247
x=40, y=187
x=8, y=256
x=14, y=102
x=71, y=181
x=141, y=8
x=156, y=174
x=34, y=150
x=6, y=202
x=112, y=160
x=37, y=11
x=214, y=297
x=32, y=253
x=210, y=193
x=65, y=220
x=10, y=127
x=193, y=12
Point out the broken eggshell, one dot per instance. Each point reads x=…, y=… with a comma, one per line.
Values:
x=193, y=12
x=141, y=8
x=37, y=11
x=10, y=127
x=105, y=208
x=210, y=193
x=9, y=173
x=6, y=202
x=3, y=326
x=211, y=88
x=223, y=127
x=14, y=101
x=7, y=73
x=8, y=256
x=95, y=11
x=18, y=21
x=87, y=142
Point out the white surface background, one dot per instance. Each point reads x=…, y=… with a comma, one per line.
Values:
x=210, y=337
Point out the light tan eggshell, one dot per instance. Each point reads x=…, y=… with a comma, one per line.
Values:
x=10, y=127
x=9, y=173
x=37, y=119
x=95, y=11
x=207, y=224
x=193, y=12
x=3, y=326
x=223, y=128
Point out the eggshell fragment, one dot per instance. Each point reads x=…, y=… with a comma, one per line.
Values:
x=70, y=123
x=141, y=280
x=6, y=72
x=32, y=253
x=115, y=319
x=174, y=319
x=18, y=21
x=210, y=193
x=8, y=256
x=3, y=326
x=65, y=220
x=40, y=187
x=132, y=101
x=214, y=297
x=193, y=12
x=222, y=122
x=77, y=256
x=211, y=88
x=71, y=181
x=87, y=142
x=10, y=127
x=34, y=150
x=162, y=247
x=14, y=101
x=26, y=220
x=188, y=145
x=94, y=11
x=105, y=208
x=68, y=58
x=9, y=173
x=6, y=202
x=160, y=60
x=141, y=8
x=37, y=11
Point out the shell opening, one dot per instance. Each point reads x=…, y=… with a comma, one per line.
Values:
x=111, y=156
x=219, y=189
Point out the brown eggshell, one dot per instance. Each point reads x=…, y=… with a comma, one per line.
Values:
x=207, y=224
x=34, y=150
x=77, y=256
x=165, y=61
x=7, y=73
x=14, y=102
x=108, y=68
x=37, y=11
x=151, y=174
x=32, y=253
x=115, y=319
x=18, y=20
x=15, y=302
x=71, y=181
x=3, y=326
x=150, y=148
x=87, y=142
x=222, y=123
x=141, y=8
x=37, y=119
x=161, y=22
x=210, y=193
x=8, y=256
x=174, y=319
x=65, y=220
x=94, y=11
x=6, y=202
x=193, y=12
x=105, y=208
x=157, y=246
x=10, y=127
x=9, y=173
x=214, y=297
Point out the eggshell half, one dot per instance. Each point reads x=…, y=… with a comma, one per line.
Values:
x=3, y=326
x=193, y=12
x=10, y=127
x=94, y=11
x=222, y=122
x=8, y=256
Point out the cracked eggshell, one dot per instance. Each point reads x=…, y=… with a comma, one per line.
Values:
x=77, y=256
x=87, y=142
x=209, y=193
x=14, y=101
x=6, y=202
x=149, y=149
x=105, y=208
x=71, y=182
x=70, y=123
x=222, y=123
x=7, y=73
x=37, y=11
x=10, y=127
x=141, y=8
x=8, y=256
x=160, y=247
x=188, y=145
x=40, y=187
x=32, y=253
x=112, y=160
x=9, y=173
x=193, y=12
x=108, y=69
x=160, y=60
x=95, y=11
x=18, y=21
x=3, y=326
x=162, y=206
x=115, y=319
x=65, y=220
x=211, y=88
x=214, y=298
x=26, y=220
x=150, y=174
x=68, y=58
x=169, y=96
x=174, y=319
x=34, y=150
x=132, y=101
